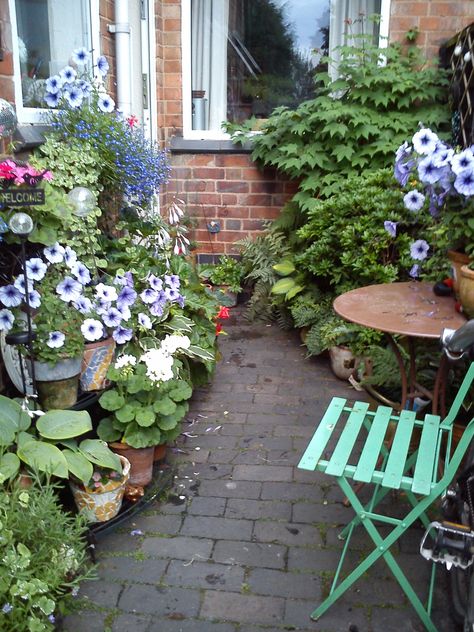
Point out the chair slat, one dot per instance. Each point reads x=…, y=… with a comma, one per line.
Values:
x=318, y=443
x=422, y=477
x=371, y=451
x=346, y=441
x=399, y=450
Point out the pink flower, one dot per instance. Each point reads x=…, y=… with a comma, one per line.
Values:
x=96, y=476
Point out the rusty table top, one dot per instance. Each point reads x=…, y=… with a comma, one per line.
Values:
x=410, y=309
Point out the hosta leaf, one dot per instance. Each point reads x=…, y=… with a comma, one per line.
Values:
x=9, y=466
x=79, y=465
x=44, y=457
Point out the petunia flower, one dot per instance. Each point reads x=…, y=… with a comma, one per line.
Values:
x=103, y=65
x=121, y=335
x=6, y=320
x=34, y=299
x=144, y=320
x=54, y=253
x=414, y=200
x=419, y=249
x=126, y=297
x=80, y=56
x=67, y=74
x=106, y=292
x=53, y=84
x=112, y=318
x=461, y=161
x=69, y=289
x=19, y=283
x=81, y=272
x=70, y=256
x=105, y=103
x=36, y=269
x=124, y=311
x=149, y=295
x=464, y=183
x=428, y=172
x=51, y=99
x=390, y=227
x=83, y=304
x=157, y=308
x=172, y=294
x=414, y=271
x=92, y=329
x=10, y=296
x=425, y=141
x=155, y=282
x=56, y=340
x=74, y=96
x=172, y=280
x=6, y=608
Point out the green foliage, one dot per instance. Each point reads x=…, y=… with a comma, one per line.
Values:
x=229, y=271
x=43, y=552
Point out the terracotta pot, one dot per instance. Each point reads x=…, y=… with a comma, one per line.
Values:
x=466, y=291
x=141, y=462
x=457, y=259
x=160, y=452
x=95, y=363
x=342, y=362
x=105, y=503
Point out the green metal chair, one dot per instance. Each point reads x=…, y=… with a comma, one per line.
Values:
x=386, y=462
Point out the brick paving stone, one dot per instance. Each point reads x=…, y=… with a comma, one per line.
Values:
x=204, y=575
x=260, y=554
x=90, y=621
x=207, y=506
x=131, y=622
x=101, y=593
x=217, y=528
x=250, y=457
x=230, y=489
x=168, y=524
x=164, y=601
x=147, y=571
x=188, y=625
x=206, y=471
x=335, y=513
x=262, y=473
x=264, y=581
x=337, y=619
x=318, y=559
x=180, y=548
x=230, y=606
x=290, y=533
x=283, y=491
x=258, y=509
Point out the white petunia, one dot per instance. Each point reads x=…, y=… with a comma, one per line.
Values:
x=92, y=329
x=69, y=290
x=144, y=320
x=70, y=256
x=54, y=253
x=106, y=292
x=36, y=268
x=56, y=340
x=6, y=320
x=10, y=296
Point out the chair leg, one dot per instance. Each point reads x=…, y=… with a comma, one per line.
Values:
x=382, y=550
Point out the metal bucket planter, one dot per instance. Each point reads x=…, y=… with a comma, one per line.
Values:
x=58, y=384
x=95, y=363
x=104, y=503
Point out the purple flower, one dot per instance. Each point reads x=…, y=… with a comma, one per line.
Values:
x=56, y=340
x=105, y=103
x=112, y=318
x=19, y=283
x=6, y=320
x=80, y=56
x=70, y=256
x=403, y=151
x=103, y=65
x=67, y=74
x=106, y=292
x=92, y=329
x=83, y=304
x=461, y=161
x=54, y=254
x=124, y=311
x=52, y=618
x=129, y=279
x=101, y=306
x=149, y=295
x=390, y=227
x=51, y=99
x=414, y=200
x=69, y=289
x=402, y=171
x=157, y=308
x=419, y=250
x=172, y=280
x=36, y=269
x=414, y=271
x=122, y=335
x=126, y=297
x=144, y=320
x=74, y=96
x=155, y=282
x=81, y=272
x=172, y=294
x=10, y=296
x=428, y=172
x=6, y=608
x=464, y=183
x=53, y=84
x=34, y=299
x=442, y=155
x=425, y=141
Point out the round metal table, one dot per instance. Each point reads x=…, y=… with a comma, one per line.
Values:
x=409, y=309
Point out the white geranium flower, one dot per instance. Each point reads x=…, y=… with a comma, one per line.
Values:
x=124, y=361
x=172, y=342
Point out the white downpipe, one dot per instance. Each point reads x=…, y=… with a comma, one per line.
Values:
x=121, y=28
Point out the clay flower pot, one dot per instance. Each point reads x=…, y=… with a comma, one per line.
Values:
x=466, y=291
x=457, y=260
x=141, y=462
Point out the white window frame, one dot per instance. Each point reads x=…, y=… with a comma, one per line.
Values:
x=193, y=134
x=36, y=115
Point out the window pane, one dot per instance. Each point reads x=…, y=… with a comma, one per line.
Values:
x=250, y=56
x=48, y=31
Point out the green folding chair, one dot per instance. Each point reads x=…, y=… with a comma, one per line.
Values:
x=386, y=462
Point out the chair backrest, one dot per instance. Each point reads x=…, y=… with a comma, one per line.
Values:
x=459, y=399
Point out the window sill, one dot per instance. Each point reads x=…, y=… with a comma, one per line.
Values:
x=29, y=136
x=180, y=145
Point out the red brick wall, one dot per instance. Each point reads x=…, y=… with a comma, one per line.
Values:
x=107, y=43
x=437, y=21
x=227, y=188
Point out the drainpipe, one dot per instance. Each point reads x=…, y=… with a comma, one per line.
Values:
x=121, y=28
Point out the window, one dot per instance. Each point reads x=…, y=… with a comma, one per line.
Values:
x=250, y=56
x=47, y=32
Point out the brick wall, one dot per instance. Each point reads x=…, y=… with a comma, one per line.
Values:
x=230, y=190
x=107, y=43
x=437, y=21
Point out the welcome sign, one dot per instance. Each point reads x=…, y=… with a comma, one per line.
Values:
x=21, y=197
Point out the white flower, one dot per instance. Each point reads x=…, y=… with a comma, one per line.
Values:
x=159, y=365
x=144, y=320
x=34, y=299
x=69, y=289
x=70, y=256
x=125, y=360
x=6, y=320
x=19, y=283
x=54, y=254
x=80, y=56
x=92, y=329
x=172, y=342
x=81, y=272
x=106, y=292
x=106, y=103
x=67, y=74
x=56, y=339
x=10, y=296
x=36, y=268
x=425, y=141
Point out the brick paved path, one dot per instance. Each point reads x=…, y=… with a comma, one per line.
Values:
x=246, y=542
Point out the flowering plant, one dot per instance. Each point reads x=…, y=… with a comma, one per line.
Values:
x=86, y=113
x=440, y=179
x=150, y=393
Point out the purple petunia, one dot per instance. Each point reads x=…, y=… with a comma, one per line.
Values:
x=149, y=295
x=69, y=289
x=414, y=200
x=67, y=74
x=425, y=141
x=6, y=320
x=106, y=292
x=54, y=253
x=461, y=161
x=126, y=297
x=112, y=317
x=172, y=280
x=83, y=304
x=428, y=172
x=144, y=320
x=56, y=340
x=36, y=269
x=464, y=182
x=155, y=282
x=34, y=299
x=80, y=56
x=51, y=99
x=414, y=271
x=103, y=65
x=10, y=296
x=92, y=329
x=121, y=335
x=53, y=84
x=70, y=256
x=157, y=308
x=105, y=103
x=419, y=249
x=390, y=227
x=81, y=272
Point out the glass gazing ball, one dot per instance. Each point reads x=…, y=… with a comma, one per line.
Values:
x=8, y=120
x=21, y=224
x=83, y=201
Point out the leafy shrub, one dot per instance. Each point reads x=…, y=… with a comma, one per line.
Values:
x=43, y=553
